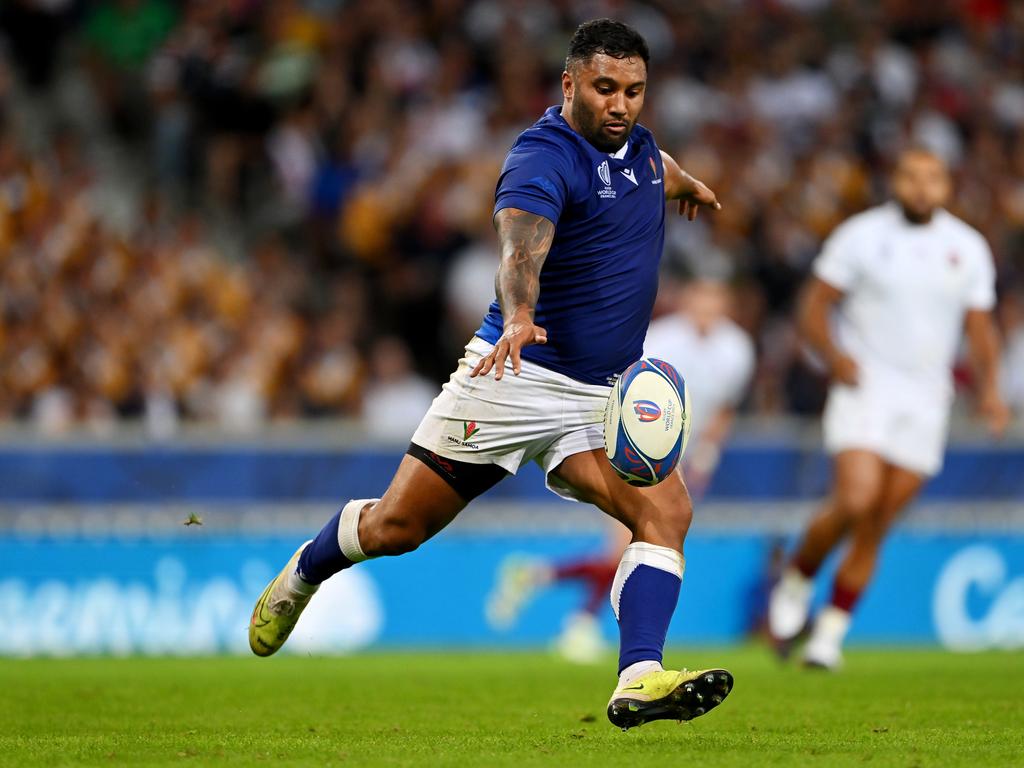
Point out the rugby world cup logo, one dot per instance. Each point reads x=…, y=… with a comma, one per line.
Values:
x=645, y=410
x=604, y=174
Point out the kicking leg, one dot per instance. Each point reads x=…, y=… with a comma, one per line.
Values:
x=645, y=591
x=859, y=477
x=426, y=494
x=854, y=573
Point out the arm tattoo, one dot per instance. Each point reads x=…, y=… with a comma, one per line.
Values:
x=525, y=239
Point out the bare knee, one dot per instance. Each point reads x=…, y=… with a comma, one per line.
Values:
x=664, y=524
x=857, y=503
x=384, y=533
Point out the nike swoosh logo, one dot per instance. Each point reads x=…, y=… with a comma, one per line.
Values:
x=259, y=617
x=634, y=688
x=628, y=173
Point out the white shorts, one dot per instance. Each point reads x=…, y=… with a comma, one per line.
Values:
x=907, y=431
x=539, y=415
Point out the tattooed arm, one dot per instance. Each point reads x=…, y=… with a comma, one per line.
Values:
x=525, y=239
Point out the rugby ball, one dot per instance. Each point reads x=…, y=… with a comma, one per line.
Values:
x=647, y=422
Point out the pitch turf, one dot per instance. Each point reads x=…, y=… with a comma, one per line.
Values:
x=889, y=708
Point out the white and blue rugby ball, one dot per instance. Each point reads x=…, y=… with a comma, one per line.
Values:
x=647, y=422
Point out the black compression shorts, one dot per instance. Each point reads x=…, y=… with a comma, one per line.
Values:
x=468, y=480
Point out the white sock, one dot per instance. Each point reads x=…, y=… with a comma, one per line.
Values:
x=296, y=584
x=794, y=582
x=633, y=671
x=830, y=627
x=348, y=530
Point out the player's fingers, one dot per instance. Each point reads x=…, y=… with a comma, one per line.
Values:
x=517, y=365
x=483, y=366
x=540, y=336
x=499, y=361
x=693, y=212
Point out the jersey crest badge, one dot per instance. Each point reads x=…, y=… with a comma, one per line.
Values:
x=654, y=171
x=604, y=173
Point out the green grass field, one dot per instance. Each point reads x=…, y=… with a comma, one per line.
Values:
x=889, y=708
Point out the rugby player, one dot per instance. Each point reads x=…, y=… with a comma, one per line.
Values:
x=580, y=216
x=904, y=281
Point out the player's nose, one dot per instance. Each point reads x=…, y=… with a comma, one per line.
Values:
x=617, y=105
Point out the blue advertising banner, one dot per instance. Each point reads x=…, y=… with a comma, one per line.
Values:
x=193, y=595
x=225, y=473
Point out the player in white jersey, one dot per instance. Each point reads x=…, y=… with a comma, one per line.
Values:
x=902, y=282
x=716, y=357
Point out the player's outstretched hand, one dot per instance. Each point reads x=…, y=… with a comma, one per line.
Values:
x=699, y=197
x=518, y=334
x=995, y=413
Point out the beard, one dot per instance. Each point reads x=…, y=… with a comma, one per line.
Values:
x=917, y=216
x=591, y=128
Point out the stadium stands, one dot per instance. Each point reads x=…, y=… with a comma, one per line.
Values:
x=218, y=212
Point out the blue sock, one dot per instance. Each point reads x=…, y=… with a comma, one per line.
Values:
x=323, y=558
x=644, y=597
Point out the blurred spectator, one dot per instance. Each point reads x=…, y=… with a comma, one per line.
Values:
x=212, y=225
x=396, y=397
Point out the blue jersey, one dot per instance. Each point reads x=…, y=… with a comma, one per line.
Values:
x=600, y=278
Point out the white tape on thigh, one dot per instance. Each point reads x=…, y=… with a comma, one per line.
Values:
x=348, y=529
x=641, y=553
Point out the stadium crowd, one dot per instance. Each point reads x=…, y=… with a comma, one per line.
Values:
x=234, y=211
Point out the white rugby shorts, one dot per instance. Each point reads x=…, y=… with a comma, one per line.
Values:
x=539, y=415
x=900, y=424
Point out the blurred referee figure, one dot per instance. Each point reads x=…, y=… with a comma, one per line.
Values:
x=903, y=281
x=716, y=357
x=580, y=216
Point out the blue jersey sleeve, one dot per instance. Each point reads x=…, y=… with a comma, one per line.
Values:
x=537, y=178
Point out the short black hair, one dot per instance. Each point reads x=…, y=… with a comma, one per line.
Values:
x=607, y=36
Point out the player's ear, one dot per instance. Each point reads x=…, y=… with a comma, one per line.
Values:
x=567, y=86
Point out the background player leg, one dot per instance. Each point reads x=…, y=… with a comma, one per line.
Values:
x=825, y=645
x=857, y=489
x=418, y=503
x=581, y=638
x=521, y=578
x=645, y=592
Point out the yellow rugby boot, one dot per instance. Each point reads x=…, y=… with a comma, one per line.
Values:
x=668, y=695
x=277, y=611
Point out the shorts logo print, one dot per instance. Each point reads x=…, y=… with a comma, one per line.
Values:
x=469, y=428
